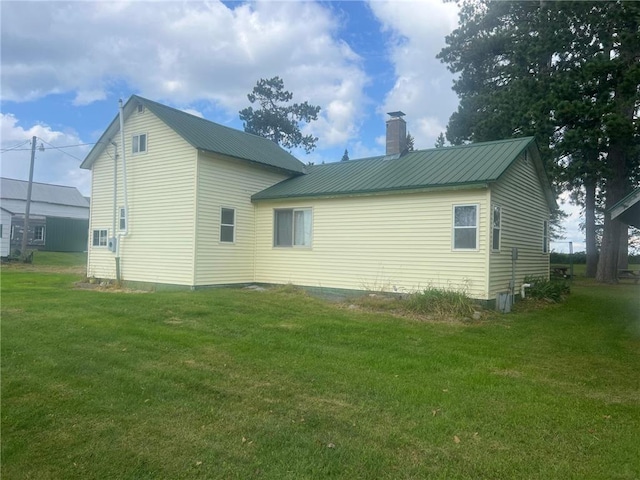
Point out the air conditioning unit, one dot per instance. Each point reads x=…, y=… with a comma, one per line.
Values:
x=112, y=244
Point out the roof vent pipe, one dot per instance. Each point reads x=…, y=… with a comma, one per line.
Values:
x=396, y=133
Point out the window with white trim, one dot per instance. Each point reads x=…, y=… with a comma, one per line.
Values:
x=465, y=227
x=497, y=228
x=139, y=143
x=545, y=236
x=292, y=227
x=38, y=233
x=227, y=225
x=100, y=238
x=122, y=223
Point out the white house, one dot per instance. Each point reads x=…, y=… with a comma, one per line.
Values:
x=189, y=202
x=5, y=232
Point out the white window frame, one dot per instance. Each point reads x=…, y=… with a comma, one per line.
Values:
x=293, y=227
x=100, y=238
x=39, y=233
x=454, y=228
x=135, y=144
x=545, y=236
x=122, y=219
x=494, y=228
x=232, y=225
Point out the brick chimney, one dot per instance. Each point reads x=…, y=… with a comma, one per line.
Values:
x=396, y=133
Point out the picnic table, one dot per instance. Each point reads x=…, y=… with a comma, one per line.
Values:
x=560, y=271
x=627, y=274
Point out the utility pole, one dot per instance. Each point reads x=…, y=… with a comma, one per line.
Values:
x=25, y=232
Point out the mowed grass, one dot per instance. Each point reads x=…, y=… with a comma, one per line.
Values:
x=232, y=383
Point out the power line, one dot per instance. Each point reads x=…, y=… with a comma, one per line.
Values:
x=60, y=148
x=15, y=147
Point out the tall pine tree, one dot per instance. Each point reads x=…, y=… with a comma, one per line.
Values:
x=565, y=72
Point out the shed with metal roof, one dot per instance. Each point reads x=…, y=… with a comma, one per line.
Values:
x=58, y=216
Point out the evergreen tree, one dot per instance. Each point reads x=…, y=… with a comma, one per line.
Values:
x=278, y=119
x=565, y=72
x=410, y=143
x=345, y=156
x=440, y=141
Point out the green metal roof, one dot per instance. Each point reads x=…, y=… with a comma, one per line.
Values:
x=479, y=163
x=206, y=135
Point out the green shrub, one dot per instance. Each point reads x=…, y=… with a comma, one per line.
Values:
x=543, y=289
x=440, y=302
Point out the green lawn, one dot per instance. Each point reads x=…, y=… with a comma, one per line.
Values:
x=232, y=383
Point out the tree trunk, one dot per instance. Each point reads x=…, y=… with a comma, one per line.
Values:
x=623, y=256
x=590, y=227
x=610, y=249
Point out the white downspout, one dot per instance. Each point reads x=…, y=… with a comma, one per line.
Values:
x=124, y=192
x=522, y=287
x=115, y=189
x=124, y=173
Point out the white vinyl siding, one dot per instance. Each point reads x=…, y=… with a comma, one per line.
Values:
x=524, y=209
x=223, y=181
x=161, y=187
x=386, y=242
x=5, y=233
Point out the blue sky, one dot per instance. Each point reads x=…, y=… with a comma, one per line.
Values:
x=64, y=65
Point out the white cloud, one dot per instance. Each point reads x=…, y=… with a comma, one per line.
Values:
x=182, y=52
x=53, y=165
x=422, y=87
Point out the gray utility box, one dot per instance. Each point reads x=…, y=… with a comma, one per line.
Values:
x=504, y=301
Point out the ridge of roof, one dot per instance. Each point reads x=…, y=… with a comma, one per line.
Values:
x=205, y=135
x=479, y=163
x=13, y=189
x=526, y=140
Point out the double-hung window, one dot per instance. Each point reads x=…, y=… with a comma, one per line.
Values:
x=123, y=218
x=497, y=228
x=100, y=238
x=38, y=233
x=465, y=227
x=292, y=227
x=227, y=225
x=139, y=143
x=545, y=236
